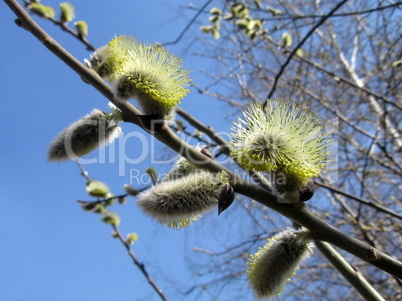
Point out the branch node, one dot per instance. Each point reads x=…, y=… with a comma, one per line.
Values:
x=372, y=256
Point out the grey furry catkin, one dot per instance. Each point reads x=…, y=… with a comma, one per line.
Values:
x=84, y=136
x=272, y=266
x=182, y=199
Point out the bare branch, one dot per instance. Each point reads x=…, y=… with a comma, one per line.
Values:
x=293, y=53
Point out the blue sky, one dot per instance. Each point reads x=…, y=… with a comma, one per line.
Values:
x=51, y=249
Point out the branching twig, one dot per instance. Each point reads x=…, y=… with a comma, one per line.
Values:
x=67, y=29
x=292, y=54
x=118, y=235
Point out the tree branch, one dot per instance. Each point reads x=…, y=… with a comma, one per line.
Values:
x=320, y=230
x=352, y=274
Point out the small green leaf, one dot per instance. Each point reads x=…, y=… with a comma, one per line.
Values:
x=111, y=218
x=131, y=190
x=287, y=39
x=97, y=189
x=131, y=238
x=82, y=28
x=258, y=4
x=67, y=12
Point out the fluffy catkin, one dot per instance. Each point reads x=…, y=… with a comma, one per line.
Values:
x=84, y=136
x=182, y=199
x=272, y=266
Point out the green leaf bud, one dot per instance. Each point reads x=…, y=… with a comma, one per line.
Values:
x=397, y=64
x=67, y=12
x=216, y=11
x=111, y=218
x=82, y=28
x=240, y=11
x=131, y=238
x=214, y=19
x=206, y=28
x=89, y=206
x=287, y=39
x=180, y=125
x=110, y=199
x=122, y=200
x=97, y=189
x=100, y=208
x=274, y=11
x=216, y=33
x=151, y=172
x=299, y=52
x=242, y=23
x=131, y=190
x=43, y=11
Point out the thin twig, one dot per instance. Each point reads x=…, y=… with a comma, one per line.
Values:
x=360, y=200
x=297, y=17
x=188, y=25
x=293, y=53
x=139, y=264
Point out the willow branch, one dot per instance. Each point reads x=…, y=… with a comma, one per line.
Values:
x=352, y=275
x=320, y=230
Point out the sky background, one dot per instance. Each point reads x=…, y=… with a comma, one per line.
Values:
x=50, y=248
